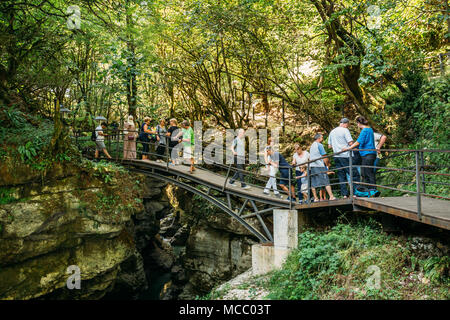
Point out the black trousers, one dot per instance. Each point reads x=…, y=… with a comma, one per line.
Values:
x=368, y=174
x=342, y=162
x=238, y=174
x=161, y=150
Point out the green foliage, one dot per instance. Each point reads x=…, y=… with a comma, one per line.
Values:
x=103, y=169
x=335, y=264
x=436, y=268
x=6, y=195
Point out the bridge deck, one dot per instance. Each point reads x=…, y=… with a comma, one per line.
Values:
x=434, y=212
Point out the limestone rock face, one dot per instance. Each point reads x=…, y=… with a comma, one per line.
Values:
x=212, y=257
x=66, y=223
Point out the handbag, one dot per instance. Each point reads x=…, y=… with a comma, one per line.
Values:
x=131, y=138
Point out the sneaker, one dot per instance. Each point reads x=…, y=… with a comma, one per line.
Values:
x=266, y=193
x=232, y=184
x=300, y=201
x=246, y=187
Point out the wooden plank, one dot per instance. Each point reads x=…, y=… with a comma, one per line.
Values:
x=325, y=204
x=434, y=211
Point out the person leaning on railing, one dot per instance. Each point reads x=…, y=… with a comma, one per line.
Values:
x=339, y=138
x=144, y=137
x=366, y=140
x=172, y=133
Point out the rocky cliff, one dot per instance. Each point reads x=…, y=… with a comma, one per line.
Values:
x=73, y=218
x=128, y=235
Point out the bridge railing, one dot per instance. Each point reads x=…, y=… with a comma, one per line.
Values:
x=415, y=172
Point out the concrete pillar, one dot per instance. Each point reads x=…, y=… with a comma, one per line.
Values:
x=266, y=258
x=285, y=228
x=262, y=258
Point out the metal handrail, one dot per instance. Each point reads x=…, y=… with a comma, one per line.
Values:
x=418, y=166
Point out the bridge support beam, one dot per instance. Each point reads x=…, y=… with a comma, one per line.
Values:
x=270, y=256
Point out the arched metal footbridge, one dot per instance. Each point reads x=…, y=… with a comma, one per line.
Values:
x=405, y=188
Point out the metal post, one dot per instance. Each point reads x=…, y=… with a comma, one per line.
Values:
x=289, y=190
x=419, y=204
x=309, y=184
x=167, y=155
x=350, y=163
x=226, y=178
x=422, y=168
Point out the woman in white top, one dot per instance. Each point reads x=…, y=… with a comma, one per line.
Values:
x=129, y=139
x=299, y=157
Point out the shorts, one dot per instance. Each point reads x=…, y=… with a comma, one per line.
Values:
x=187, y=152
x=319, y=177
x=284, y=173
x=100, y=145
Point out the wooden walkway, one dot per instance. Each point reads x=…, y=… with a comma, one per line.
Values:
x=434, y=212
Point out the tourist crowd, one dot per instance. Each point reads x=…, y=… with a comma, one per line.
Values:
x=354, y=160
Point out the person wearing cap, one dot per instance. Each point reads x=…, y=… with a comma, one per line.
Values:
x=338, y=139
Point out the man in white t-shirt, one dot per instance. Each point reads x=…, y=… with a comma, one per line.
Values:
x=338, y=139
x=99, y=140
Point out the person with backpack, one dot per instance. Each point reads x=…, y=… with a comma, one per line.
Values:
x=100, y=140
x=144, y=137
x=129, y=139
x=366, y=140
x=278, y=161
x=161, y=138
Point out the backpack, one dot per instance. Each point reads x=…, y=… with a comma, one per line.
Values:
x=366, y=193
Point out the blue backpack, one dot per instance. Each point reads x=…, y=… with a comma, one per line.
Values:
x=364, y=192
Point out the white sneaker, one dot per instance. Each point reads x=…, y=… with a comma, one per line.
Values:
x=246, y=187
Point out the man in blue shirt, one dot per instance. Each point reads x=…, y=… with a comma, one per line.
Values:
x=366, y=140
